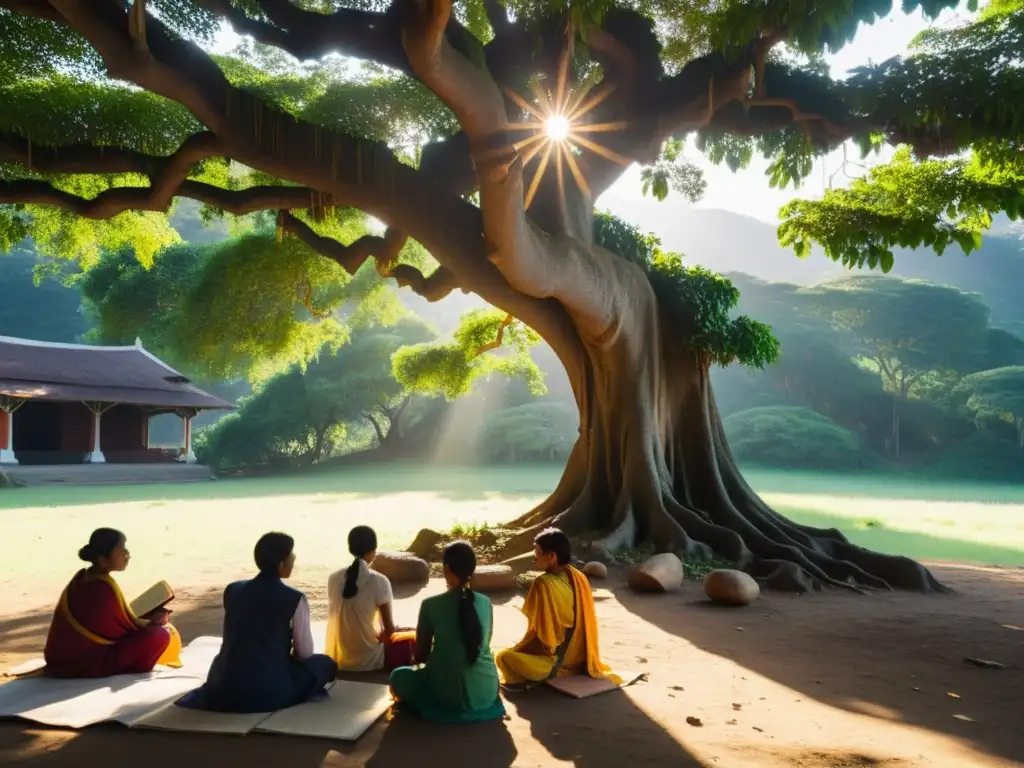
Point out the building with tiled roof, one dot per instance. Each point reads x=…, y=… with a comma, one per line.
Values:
x=75, y=403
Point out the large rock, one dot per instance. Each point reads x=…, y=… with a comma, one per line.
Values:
x=427, y=544
x=520, y=563
x=596, y=570
x=729, y=587
x=401, y=567
x=662, y=573
x=493, y=578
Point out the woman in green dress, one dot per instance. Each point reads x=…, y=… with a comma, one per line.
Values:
x=457, y=682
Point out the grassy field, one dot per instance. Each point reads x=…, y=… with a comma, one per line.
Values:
x=925, y=520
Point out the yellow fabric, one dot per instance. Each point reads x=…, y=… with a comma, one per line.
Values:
x=549, y=613
x=171, y=657
x=332, y=644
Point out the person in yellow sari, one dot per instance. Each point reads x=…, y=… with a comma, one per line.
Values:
x=561, y=634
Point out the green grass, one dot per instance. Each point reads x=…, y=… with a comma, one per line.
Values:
x=963, y=522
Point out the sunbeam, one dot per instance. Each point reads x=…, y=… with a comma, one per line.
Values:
x=553, y=120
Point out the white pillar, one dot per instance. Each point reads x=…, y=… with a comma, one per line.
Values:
x=7, y=454
x=187, y=454
x=95, y=456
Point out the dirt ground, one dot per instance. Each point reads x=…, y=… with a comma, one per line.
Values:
x=830, y=679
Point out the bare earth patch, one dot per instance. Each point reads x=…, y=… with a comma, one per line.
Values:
x=829, y=680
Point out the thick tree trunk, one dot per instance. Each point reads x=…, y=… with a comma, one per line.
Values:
x=652, y=465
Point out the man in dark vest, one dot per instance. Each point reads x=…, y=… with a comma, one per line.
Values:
x=266, y=661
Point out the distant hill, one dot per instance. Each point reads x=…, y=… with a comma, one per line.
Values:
x=724, y=241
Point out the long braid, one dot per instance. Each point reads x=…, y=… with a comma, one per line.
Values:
x=469, y=624
x=361, y=542
x=351, y=576
x=461, y=562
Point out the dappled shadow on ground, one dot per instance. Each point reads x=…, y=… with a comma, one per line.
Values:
x=894, y=656
x=587, y=732
x=22, y=634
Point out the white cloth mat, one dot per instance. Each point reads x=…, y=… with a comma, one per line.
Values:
x=120, y=699
x=349, y=712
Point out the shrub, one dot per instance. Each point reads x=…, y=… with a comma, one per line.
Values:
x=788, y=436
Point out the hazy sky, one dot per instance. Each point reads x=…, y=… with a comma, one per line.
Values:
x=747, y=191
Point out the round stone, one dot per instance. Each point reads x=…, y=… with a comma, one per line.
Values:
x=401, y=567
x=662, y=573
x=493, y=578
x=731, y=587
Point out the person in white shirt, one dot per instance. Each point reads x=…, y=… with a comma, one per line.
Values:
x=361, y=635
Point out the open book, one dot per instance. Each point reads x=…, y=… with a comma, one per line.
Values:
x=157, y=596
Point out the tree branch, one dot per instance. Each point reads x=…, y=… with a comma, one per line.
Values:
x=34, y=8
x=383, y=250
x=167, y=175
x=497, y=340
x=498, y=17
x=112, y=202
x=381, y=437
x=310, y=35
x=75, y=158
x=513, y=242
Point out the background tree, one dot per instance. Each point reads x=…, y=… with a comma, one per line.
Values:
x=94, y=163
x=905, y=329
x=997, y=394
x=795, y=437
x=308, y=412
x=531, y=432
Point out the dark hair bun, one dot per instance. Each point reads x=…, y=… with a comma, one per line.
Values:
x=85, y=553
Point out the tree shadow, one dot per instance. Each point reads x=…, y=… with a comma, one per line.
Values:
x=894, y=656
x=20, y=634
x=408, y=739
x=592, y=732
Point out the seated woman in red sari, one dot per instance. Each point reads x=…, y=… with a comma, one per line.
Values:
x=94, y=632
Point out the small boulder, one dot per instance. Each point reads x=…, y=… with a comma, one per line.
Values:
x=427, y=544
x=401, y=567
x=662, y=573
x=520, y=563
x=486, y=538
x=730, y=587
x=596, y=570
x=493, y=578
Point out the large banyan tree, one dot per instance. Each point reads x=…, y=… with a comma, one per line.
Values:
x=112, y=109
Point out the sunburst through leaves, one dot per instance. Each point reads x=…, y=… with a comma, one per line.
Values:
x=559, y=133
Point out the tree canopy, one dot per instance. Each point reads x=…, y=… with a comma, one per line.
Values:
x=997, y=394
x=304, y=414
x=86, y=161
